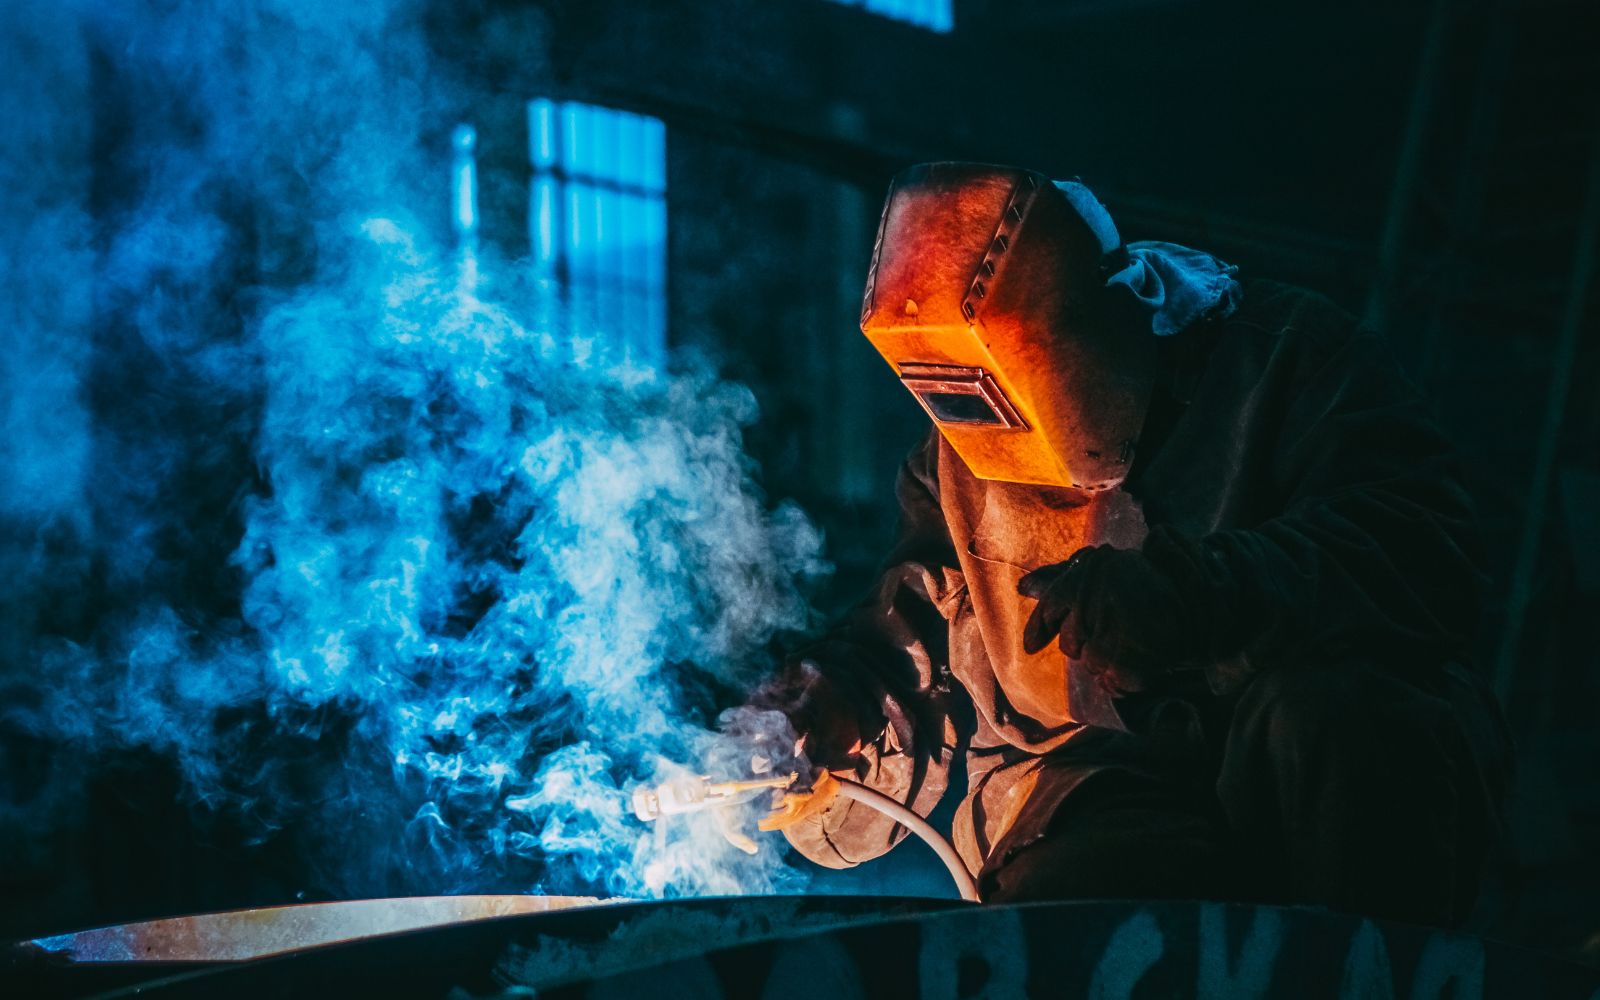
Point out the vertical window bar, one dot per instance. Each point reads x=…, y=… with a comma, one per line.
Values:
x=631, y=279
x=629, y=169
x=464, y=143
x=656, y=244
x=572, y=127
x=541, y=133
x=542, y=231
x=655, y=268
x=577, y=274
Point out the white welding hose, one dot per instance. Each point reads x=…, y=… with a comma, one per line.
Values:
x=873, y=799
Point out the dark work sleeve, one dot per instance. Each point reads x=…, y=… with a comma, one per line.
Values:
x=882, y=669
x=1373, y=551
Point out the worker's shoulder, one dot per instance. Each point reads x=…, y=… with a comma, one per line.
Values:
x=1292, y=317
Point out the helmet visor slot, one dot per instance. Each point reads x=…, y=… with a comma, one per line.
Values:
x=966, y=396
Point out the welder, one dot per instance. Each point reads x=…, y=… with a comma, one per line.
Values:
x=1185, y=576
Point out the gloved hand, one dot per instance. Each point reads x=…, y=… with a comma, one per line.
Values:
x=831, y=732
x=830, y=725
x=1131, y=617
x=797, y=806
x=799, y=723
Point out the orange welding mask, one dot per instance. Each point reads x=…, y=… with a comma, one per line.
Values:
x=987, y=297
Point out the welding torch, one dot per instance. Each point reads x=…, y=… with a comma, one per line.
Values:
x=687, y=795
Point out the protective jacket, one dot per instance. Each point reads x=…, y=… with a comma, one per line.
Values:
x=1284, y=439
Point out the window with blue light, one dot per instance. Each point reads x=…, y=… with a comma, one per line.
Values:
x=598, y=220
x=935, y=15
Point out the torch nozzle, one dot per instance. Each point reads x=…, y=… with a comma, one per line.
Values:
x=687, y=795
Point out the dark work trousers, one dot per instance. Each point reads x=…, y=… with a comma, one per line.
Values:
x=1344, y=785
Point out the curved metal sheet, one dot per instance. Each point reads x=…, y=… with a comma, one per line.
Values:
x=240, y=935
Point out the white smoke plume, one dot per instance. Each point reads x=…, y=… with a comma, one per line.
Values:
x=295, y=498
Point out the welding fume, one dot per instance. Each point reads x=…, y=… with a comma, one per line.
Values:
x=1184, y=572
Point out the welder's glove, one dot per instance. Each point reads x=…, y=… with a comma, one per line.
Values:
x=1131, y=617
x=831, y=725
x=797, y=806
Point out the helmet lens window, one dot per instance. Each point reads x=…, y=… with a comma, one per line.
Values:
x=956, y=395
x=961, y=408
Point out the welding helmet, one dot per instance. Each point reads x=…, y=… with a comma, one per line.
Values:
x=987, y=297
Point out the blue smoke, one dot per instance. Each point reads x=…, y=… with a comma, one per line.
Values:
x=305, y=500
